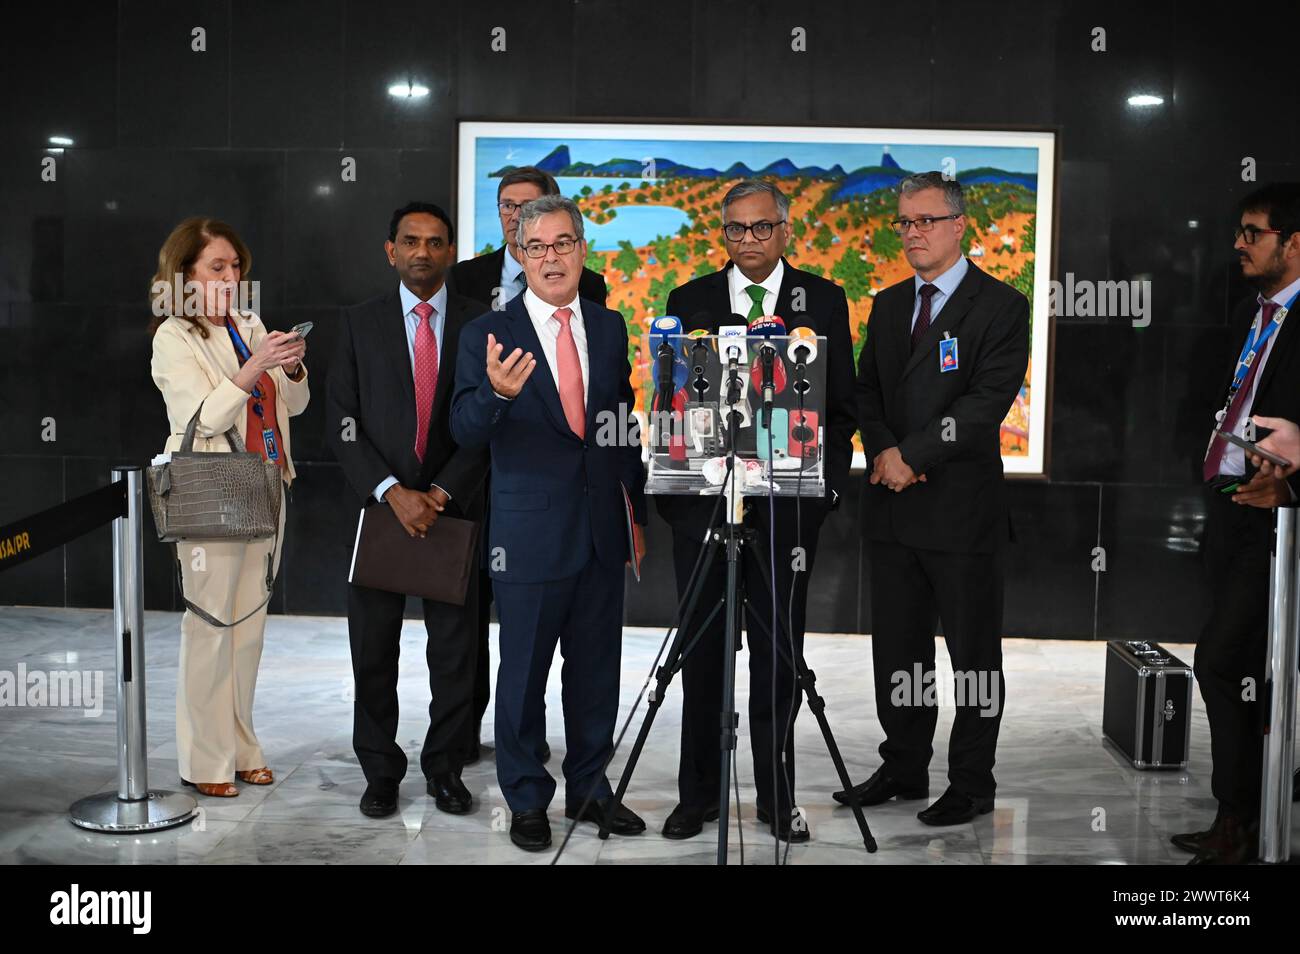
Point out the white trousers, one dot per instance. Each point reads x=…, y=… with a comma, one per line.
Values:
x=218, y=666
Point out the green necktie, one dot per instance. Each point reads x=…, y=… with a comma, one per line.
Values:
x=756, y=293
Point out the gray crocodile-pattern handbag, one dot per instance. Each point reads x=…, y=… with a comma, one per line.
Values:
x=214, y=495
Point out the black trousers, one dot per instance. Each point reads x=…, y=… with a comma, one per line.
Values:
x=374, y=630
x=1233, y=646
x=911, y=591
x=699, y=772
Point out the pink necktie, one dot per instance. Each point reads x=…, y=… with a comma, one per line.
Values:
x=1219, y=447
x=426, y=376
x=569, y=373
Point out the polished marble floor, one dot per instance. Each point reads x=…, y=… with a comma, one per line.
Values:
x=1063, y=797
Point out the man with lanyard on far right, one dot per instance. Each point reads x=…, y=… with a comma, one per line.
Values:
x=1230, y=654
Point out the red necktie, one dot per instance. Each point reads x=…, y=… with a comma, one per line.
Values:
x=426, y=376
x=923, y=319
x=1218, y=446
x=568, y=371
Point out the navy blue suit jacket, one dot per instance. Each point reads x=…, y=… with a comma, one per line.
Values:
x=554, y=496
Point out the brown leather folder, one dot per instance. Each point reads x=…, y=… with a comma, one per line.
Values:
x=437, y=567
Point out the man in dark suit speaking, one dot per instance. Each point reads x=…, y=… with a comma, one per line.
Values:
x=494, y=279
x=389, y=393
x=546, y=384
x=945, y=356
x=757, y=281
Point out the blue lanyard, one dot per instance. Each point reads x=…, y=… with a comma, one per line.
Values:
x=1255, y=345
x=244, y=354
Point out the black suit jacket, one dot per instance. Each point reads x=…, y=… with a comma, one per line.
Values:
x=371, y=384
x=478, y=278
x=826, y=312
x=1277, y=394
x=946, y=424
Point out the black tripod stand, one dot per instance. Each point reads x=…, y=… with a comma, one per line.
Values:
x=733, y=535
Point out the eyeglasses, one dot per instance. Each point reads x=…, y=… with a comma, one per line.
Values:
x=1250, y=233
x=509, y=208
x=735, y=232
x=923, y=224
x=562, y=247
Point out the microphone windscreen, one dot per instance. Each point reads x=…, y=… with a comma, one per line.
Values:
x=668, y=328
x=766, y=326
x=802, y=337
x=727, y=332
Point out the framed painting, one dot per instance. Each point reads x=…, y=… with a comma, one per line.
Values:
x=651, y=194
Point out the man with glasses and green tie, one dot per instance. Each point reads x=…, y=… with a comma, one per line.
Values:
x=493, y=279
x=1261, y=364
x=756, y=281
x=945, y=356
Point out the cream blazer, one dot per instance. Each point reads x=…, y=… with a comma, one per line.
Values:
x=191, y=370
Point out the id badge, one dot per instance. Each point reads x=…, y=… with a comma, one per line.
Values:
x=947, y=355
x=268, y=439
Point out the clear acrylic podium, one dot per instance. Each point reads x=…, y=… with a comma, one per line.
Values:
x=717, y=382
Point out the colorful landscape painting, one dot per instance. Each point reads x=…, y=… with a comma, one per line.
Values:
x=652, y=199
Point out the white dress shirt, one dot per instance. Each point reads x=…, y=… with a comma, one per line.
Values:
x=1234, y=457
x=548, y=332
x=946, y=283
x=740, y=300
x=437, y=321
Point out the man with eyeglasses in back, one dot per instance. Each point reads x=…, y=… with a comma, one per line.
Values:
x=945, y=356
x=757, y=281
x=493, y=279
x=1259, y=378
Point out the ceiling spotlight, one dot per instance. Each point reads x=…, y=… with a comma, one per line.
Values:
x=408, y=90
x=1146, y=99
x=60, y=141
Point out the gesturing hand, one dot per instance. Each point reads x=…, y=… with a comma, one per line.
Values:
x=507, y=377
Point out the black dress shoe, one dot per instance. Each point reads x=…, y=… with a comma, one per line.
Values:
x=545, y=753
x=1192, y=840
x=450, y=794
x=955, y=807
x=380, y=798
x=686, y=822
x=793, y=829
x=530, y=829
x=880, y=788
x=1233, y=842
x=623, y=821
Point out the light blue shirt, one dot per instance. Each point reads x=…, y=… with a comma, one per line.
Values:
x=512, y=278
x=946, y=283
x=436, y=321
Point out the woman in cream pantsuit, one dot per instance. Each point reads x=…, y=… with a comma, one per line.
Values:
x=215, y=355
